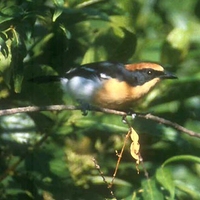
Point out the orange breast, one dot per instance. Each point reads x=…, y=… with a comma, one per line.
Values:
x=116, y=94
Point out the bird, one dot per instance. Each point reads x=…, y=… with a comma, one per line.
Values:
x=111, y=85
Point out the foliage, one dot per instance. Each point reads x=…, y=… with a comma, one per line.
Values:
x=49, y=154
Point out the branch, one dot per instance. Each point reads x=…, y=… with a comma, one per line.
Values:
x=169, y=123
x=12, y=111
x=97, y=109
x=97, y=166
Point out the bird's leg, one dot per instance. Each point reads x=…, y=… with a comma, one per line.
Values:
x=84, y=106
x=134, y=114
x=131, y=112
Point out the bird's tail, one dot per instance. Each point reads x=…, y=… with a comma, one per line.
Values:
x=45, y=79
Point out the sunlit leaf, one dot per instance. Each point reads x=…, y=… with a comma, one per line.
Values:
x=189, y=189
x=123, y=41
x=18, y=51
x=151, y=190
x=9, y=13
x=180, y=158
x=176, y=46
x=164, y=177
x=3, y=48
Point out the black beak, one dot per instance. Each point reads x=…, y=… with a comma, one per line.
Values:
x=168, y=75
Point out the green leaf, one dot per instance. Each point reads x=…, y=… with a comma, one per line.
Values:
x=126, y=47
x=193, y=193
x=3, y=48
x=59, y=2
x=95, y=54
x=9, y=13
x=164, y=177
x=182, y=158
x=176, y=46
x=38, y=48
x=58, y=10
x=58, y=167
x=14, y=192
x=56, y=14
x=18, y=51
x=151, y=190
x=112, y=43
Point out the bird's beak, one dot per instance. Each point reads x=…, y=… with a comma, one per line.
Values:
x=168, y=75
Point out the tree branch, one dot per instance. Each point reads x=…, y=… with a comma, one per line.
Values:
x=169, y=123
x=97, y=109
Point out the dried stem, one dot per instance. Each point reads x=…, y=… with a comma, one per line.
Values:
x=104, y=110
x=119, y=155
x=97, y=166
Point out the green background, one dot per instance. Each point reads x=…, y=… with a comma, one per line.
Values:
x=49, y=154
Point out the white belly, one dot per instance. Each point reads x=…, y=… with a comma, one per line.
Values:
x=81, y=88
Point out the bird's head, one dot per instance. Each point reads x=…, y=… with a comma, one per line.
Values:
x=144, y=76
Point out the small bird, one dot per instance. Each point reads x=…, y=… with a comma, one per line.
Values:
x=110, y=85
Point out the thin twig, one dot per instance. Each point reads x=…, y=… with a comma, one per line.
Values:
x=97, y=166
x=119, y=155
x=169, y=123
x=28, y=109
x=104, y=110
x=146, y=174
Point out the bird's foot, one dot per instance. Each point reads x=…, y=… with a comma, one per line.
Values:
x=84, y=107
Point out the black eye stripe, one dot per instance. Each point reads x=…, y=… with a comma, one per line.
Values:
x=139, y=77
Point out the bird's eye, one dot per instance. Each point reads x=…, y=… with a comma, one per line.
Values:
x=149, y=72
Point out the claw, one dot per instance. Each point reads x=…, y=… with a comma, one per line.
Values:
x=124, y=119
x=84, y=106
x=84, y=112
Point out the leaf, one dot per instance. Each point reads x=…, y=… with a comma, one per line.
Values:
x=126, y=48
x=111, y=43
x=178, y=91
x=151, y=191
x=3, y=48
x=164, y=177
x=10, y=12
x=58, y=11
x=56, y=14
x=121, y=21
x=182, y=158
x=193, y=192
x=135, y=146
x=58, y=167
x=18, y=51
x=38, y=48
x=176, y=46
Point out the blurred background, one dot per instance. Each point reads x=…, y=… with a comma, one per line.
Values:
x=48, y=155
